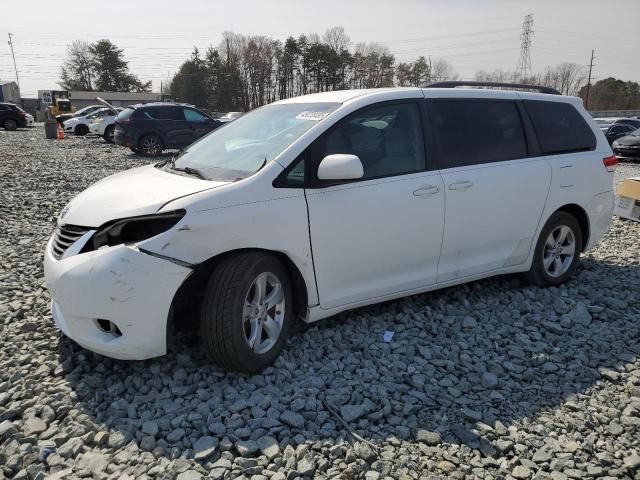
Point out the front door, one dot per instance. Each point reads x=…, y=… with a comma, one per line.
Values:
x=379, y=235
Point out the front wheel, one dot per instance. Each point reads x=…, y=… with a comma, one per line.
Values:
x=246, y=312
x=557, y=251
x=10, y=124
x=109, y=133
x=81, y=130
x=150, y=146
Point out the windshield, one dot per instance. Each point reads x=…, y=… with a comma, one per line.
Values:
x=240, y=148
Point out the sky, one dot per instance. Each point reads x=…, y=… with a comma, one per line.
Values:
x=472, y=34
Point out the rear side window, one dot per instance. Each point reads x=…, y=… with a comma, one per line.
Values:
x=164, y=113
x=560, y=128
x=474, y=131
x=125, y=114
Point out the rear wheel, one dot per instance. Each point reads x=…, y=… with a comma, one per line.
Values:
x=150, y=145
x=557, y=251
x=81, y=130
x=246, y=312
x=10, y=124
x=109, y=133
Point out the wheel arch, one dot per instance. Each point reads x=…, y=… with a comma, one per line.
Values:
x=189, y=295
x=581, y=216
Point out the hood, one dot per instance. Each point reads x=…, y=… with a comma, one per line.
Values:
x=140, y=191
x=629, y=140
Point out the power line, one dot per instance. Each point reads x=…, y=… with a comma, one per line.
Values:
x=524, y=62
x=14, y=59
x=586, y=100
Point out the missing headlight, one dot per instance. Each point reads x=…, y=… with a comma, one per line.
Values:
x=134, y=229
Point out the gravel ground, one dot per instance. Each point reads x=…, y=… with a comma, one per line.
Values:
x=495, y=379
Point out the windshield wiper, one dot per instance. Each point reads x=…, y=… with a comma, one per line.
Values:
x=188, y=170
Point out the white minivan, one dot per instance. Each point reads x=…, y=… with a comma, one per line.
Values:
x=314, y=205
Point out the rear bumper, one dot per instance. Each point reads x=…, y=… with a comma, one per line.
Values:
x=600, y=213
x=119, y=284
x=121, y=137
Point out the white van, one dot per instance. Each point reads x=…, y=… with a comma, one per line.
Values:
x=314, y=205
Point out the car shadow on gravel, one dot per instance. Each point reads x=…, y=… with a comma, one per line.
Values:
x=464, y=365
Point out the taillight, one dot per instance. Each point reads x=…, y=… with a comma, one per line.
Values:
x=610, y=163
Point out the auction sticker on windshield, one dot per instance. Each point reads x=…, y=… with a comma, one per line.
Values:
x=317, y=116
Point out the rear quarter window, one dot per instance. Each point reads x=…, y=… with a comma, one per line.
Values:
x=560, y=127
x=125, y=114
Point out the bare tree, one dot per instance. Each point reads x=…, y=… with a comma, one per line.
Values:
x=442, y=70
x=337, y=39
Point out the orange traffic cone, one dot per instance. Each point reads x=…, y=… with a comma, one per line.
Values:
x=60, y=132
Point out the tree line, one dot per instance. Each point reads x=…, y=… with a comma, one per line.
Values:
x=246, y=71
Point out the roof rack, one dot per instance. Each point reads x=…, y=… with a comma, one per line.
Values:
x=510, y=86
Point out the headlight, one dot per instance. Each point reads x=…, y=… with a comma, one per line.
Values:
x=134, y=229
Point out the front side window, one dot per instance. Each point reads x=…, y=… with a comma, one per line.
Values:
x=242, y=147
x=474, y=131
x=193, y=116
x=560, y=128
x=387, y=139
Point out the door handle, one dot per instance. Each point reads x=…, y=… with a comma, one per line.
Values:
x=460, y=185
x=424, y=191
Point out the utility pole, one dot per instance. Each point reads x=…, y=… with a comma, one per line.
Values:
x=586, y=99
x=14, y=59
x=524, y=62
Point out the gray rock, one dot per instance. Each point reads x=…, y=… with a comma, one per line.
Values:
x=430, y=438
x=190, y=475
x=351, y=413
x=631, y=462
x=150, y=428
x=33, y=426
x=292, y=419
x=469, y=323
x=204, y=447
x=269, y=447
x=246, y=447
x=521, y=472
x=489, y=380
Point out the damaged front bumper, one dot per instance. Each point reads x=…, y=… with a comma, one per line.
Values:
x=114, y=301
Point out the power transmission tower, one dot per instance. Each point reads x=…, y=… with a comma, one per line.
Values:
x=14, y=59
x=524, y=62
x=586, y=97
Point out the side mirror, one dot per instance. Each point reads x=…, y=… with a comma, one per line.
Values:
x=340, y=167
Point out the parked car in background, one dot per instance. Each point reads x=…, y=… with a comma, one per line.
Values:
x=603, y=123
x=628, y=146
x=634, y=122
x=83, y=112
x=228, y=225
x=79, y=125
x=230, y=116
x=617, y=130
x=153, y=127
x=12, y=116
x=103, y=123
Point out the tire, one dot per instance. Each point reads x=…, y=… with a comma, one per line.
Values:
x=81, y=130
x=230, y=329
x=109, y=133
x=10, y=124
x=150, y=145
x=550, y=267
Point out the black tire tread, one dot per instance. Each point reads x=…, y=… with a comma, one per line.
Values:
x=225, y=282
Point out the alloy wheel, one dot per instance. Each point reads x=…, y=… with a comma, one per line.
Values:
x=151, y=146
x=263, y=312
x=10, y=124
x=559, y=250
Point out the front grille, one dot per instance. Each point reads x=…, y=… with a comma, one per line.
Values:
x=64, y=237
